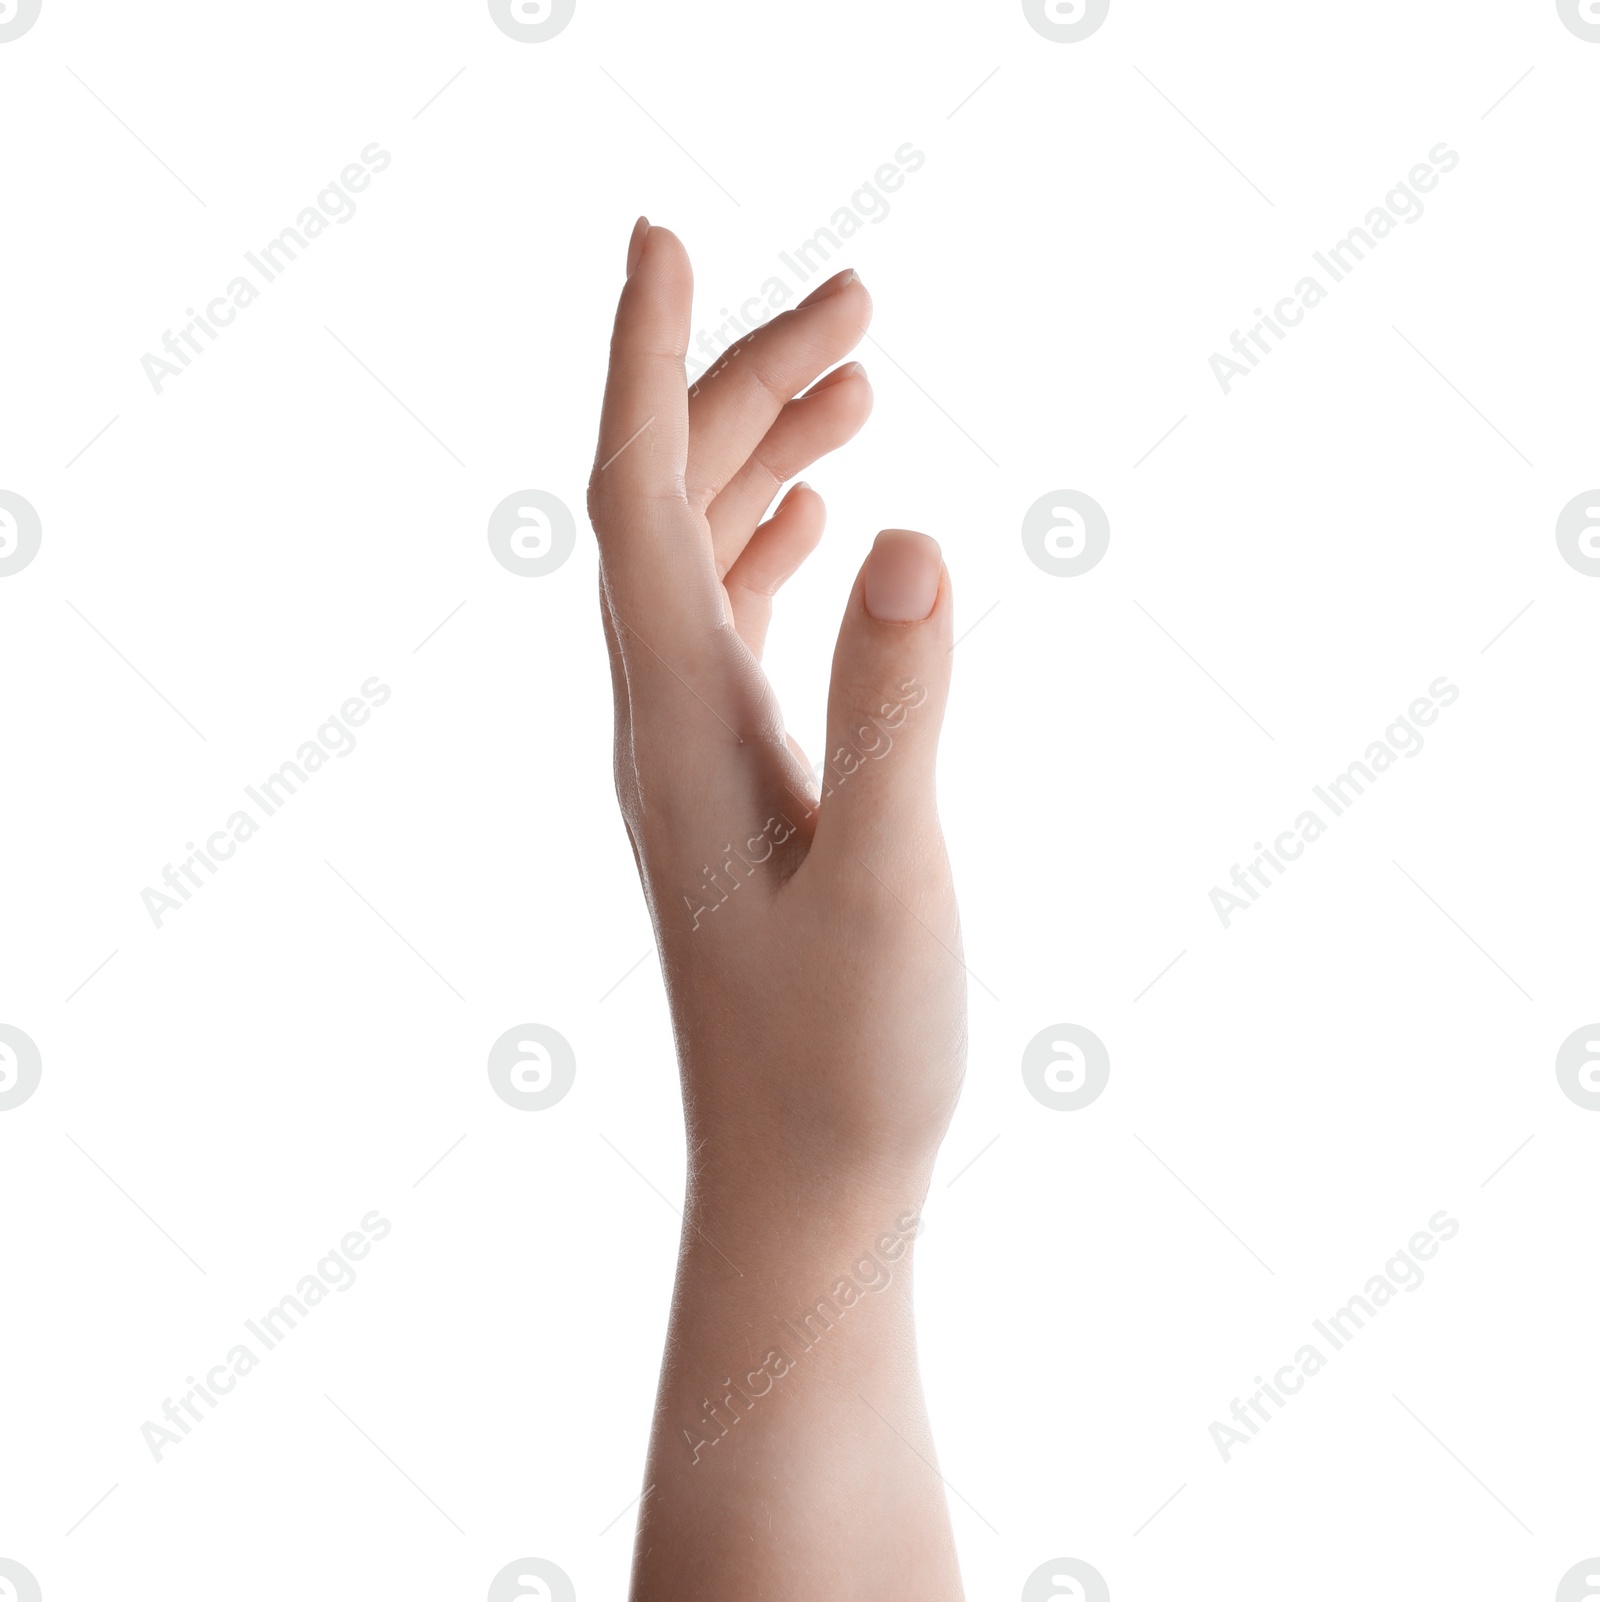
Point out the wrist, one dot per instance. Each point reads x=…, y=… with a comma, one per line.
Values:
x=823, y=1205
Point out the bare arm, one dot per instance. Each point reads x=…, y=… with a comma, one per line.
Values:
x=810, y=942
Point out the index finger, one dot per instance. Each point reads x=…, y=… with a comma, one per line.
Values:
x=655, y=553
x=644, y=422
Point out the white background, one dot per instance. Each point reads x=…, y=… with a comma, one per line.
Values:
x=1289, y=568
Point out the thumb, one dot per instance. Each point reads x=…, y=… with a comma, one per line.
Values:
x=891, y=677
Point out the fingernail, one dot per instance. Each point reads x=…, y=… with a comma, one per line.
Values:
x=832, y=287
x=837, y=376
x=636, y=243
x=901, y=582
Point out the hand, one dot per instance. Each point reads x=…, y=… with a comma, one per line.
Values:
x=811, y=954
x=810, y=942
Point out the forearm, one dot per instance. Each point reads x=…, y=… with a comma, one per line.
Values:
x=791, y=1455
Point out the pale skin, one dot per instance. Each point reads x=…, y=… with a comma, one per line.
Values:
x=811, y=949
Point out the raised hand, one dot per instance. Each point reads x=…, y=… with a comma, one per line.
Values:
x=809, y=938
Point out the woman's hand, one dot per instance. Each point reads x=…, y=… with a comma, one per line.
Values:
x=809, y=939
